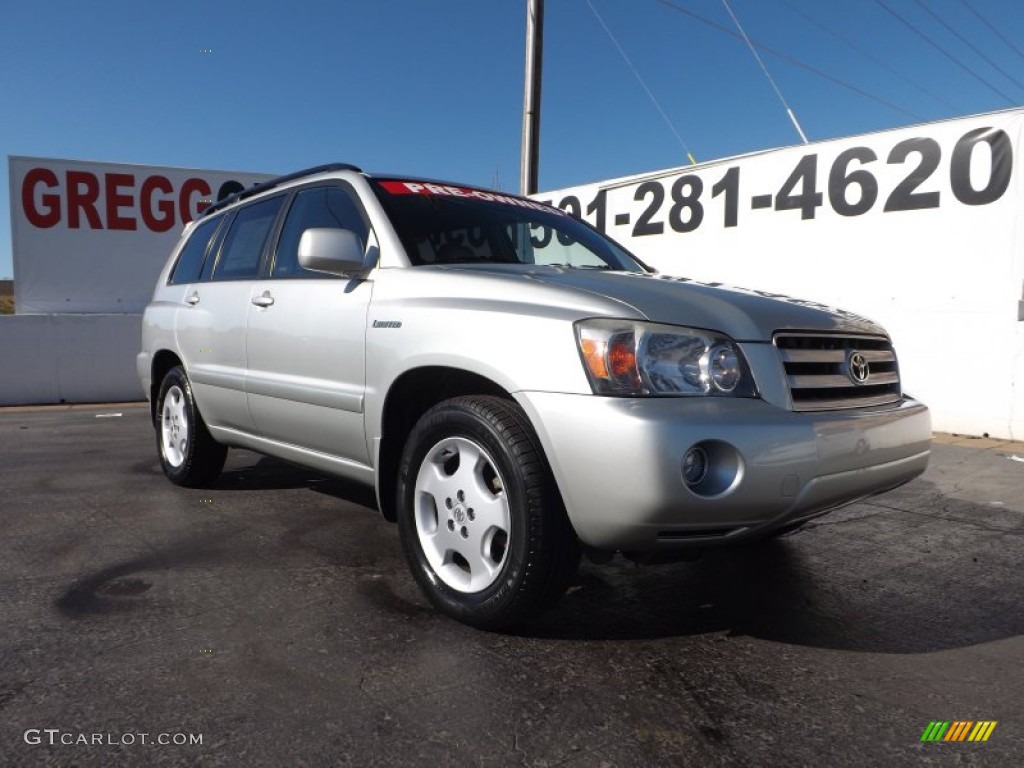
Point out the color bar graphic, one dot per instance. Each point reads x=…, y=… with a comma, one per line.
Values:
x=982, y=730
x=958, y=730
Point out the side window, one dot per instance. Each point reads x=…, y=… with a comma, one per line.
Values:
x=215, y=243
x=327, y=207
x=243, y=245
x=190, y=260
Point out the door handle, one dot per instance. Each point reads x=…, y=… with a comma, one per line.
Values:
x=263, y=300
x=193, y=299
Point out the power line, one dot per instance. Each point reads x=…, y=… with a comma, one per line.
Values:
x=944, y=52
x=791, y=60
x=867, y=54
x=970, y=45
x=994, y=29
x=643, y=85
x=789, y=110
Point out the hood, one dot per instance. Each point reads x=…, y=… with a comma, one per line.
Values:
x=745, y=315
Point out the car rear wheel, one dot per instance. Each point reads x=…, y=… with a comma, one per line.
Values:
x=480, y=517
x=188, y=454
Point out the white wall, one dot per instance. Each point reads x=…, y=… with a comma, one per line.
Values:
x=92, y=237
x=69, y=359
x=942, y=268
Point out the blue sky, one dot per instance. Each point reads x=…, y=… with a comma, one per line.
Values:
x=434, y=87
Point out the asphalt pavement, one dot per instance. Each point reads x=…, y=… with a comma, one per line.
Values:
x=271, y=620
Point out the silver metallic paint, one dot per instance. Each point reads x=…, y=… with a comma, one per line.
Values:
x=310, y=382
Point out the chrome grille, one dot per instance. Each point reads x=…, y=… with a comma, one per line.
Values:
x=819, y=376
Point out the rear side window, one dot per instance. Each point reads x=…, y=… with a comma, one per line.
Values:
x=190, y=260
x=243, y=245
x=331, y=207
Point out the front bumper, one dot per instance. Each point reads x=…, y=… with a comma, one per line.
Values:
x=617, y=462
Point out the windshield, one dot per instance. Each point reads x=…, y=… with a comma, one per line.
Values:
x=445, y=224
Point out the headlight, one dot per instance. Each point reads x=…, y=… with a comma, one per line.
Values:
x=624, y=357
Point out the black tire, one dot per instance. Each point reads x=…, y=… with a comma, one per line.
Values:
x=538, y=555
x=188, y=454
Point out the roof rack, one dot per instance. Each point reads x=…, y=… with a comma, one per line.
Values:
x=263, y=186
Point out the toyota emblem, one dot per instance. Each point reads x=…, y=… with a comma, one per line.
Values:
x=859, y=369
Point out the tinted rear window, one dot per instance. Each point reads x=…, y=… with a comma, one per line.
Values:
x=190, y=261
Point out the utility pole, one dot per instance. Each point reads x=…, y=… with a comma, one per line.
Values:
x=531, y=96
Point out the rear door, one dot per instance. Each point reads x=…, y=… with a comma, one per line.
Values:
x=211, y=323
x=306, y=336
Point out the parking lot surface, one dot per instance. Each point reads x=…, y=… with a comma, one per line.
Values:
x=273, y=616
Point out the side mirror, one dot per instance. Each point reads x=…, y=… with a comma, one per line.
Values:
x=335, y=251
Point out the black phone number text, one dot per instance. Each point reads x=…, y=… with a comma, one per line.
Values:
x=852, y=188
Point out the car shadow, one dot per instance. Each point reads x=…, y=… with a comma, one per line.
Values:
x=251, y=472
x=774, y=591
x=936, y=577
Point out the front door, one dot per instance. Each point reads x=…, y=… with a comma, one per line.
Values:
x=306, y=337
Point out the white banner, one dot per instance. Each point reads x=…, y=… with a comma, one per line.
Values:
x=92, y=237
x=916, y=228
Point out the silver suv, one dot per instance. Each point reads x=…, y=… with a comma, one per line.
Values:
x=517, y=387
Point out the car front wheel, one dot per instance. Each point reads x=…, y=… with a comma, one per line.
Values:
x=188, y=454
x=481, y=521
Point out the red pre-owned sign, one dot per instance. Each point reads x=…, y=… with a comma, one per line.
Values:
x=92, y=237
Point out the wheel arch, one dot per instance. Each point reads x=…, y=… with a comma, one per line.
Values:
x=410, y=396
x=163, y=361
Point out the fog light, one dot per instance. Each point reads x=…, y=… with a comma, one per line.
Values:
x=695, y=466
x=712, y=469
